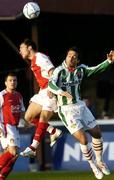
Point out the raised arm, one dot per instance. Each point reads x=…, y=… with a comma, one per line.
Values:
x=100, y=67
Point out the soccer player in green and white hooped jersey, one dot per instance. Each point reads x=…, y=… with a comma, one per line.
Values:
x=65, y=83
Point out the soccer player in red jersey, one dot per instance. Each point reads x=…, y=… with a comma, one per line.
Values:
x=11, y=110
x=42, y=106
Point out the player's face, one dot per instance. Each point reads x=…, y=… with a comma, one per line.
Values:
x=11, y=83
x=24, y=51
x=72, y=58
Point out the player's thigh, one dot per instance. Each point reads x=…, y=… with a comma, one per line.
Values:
x=33, y=111
x=70, y=118
x=88, y=119
x=95, y=132
x=13, y=150
x=45, y=116
x=81, y=136
x=12, y=139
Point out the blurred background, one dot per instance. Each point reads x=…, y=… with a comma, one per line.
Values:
x=87, y=24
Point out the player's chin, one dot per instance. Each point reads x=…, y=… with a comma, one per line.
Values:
x=23, y=56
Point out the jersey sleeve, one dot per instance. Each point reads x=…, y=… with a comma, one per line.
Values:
x=88, y=71
x=1, y=103
x=22, y=105
x=52, y=85
x=1, y=100
x=21, y=102
x=44, y=61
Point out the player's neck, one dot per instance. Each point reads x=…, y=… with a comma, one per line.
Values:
x=31, y=55
x=10, y=90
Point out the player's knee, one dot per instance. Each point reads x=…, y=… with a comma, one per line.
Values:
x=83, y=141
x=27, y=118
x=45, y=116
x=14, y=152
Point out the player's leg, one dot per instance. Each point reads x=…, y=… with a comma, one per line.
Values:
x=11, y=150
x=70, y=116
x=50, y=105
x=8, y=168
x=43, y=105
x=42, y=127
x=40, y=132
x=41, y=120
x=87, y=152
x=97, y=143
x=33, y=114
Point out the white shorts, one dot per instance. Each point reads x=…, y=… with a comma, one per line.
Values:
x=76, y=116
x=43, y=99
x=12, y=137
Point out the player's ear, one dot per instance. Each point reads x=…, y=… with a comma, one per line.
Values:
x=5, y=83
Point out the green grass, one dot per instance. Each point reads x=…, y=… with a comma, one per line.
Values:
x=56, y=175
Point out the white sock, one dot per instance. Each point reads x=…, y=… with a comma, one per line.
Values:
x=35, y=144
x=88, y=154
x=98, y=149
x=50, y=129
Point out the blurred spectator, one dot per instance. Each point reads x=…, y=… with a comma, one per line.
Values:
x=104, y=91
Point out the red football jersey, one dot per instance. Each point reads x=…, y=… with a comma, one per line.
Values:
x=11, y=106
x=40, y=66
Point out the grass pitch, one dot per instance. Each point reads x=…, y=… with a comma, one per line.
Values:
x=57, y=175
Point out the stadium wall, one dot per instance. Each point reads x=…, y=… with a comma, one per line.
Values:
x=66, y=154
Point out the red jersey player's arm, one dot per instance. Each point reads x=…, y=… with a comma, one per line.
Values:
x=1, y=129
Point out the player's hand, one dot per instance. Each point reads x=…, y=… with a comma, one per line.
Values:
x=50, y=94
x=66, y=94
x=110, y=56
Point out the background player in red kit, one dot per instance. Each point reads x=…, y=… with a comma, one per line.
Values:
x=42, y=106
x=11, y=110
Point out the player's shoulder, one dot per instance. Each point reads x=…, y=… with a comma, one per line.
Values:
x=83, y=66
x=58, y=69
x=3, y=92
x=42, y=55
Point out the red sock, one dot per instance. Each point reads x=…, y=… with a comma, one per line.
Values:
x=53, y=131
x=35, y=121
x=8, y=167
x=4, y=158
x=40, y=131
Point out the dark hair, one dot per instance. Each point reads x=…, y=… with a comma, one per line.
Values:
x=73, y=48
x=29, y=42
x=10, y=74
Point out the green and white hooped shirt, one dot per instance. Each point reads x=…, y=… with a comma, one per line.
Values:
x=64, y=80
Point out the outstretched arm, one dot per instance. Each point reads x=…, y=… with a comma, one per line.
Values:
x=100, y=67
